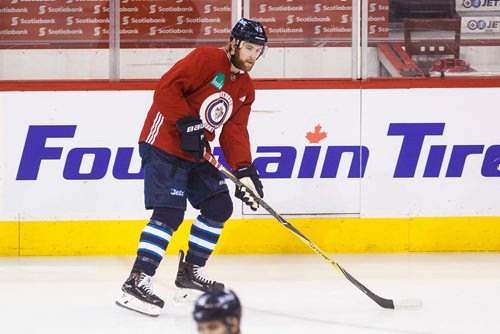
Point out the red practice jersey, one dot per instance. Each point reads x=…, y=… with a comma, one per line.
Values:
x=201, y=84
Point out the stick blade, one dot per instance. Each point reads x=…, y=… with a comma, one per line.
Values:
x=408, y=304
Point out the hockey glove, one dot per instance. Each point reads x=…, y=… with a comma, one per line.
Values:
x=192, y=137
x=249, y=176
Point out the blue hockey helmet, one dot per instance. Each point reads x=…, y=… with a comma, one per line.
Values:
x=246, y=30
x=217, y=304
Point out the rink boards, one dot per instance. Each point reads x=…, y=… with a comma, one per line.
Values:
x=380, y=170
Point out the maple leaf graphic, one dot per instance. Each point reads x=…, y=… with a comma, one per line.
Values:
x=316, y=136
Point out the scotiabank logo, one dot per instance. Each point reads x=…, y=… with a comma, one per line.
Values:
x=271, y=161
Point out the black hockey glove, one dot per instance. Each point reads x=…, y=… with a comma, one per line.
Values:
x=192, y=137
x=249, y=176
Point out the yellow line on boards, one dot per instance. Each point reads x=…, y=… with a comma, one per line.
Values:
x=260, y=236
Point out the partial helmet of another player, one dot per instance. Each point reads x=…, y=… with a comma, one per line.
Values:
x=217, y=304
x=246, y=30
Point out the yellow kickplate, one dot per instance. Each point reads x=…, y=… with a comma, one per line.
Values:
x=261, y=236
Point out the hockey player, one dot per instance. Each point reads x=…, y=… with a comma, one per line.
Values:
x=207, y=90
x=218, y=312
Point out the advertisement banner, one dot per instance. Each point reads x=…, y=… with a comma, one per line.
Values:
x=399, y=153
x=307, y=150
x=321, y=20
x=74, y=155
x=433, y=152
x=477, y=6
x=480, y=24
x=182, y=21
x=70, y=21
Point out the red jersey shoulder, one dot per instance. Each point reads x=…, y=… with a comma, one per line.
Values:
x=212, y=54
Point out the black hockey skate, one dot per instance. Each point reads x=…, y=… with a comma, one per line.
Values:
x=191, y=281
x=138, y=295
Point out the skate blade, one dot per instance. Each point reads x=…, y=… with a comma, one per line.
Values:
x=186, y=295
x=130, y=302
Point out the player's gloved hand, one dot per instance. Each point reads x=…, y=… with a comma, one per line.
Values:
x=193, y=139
x=249, y=176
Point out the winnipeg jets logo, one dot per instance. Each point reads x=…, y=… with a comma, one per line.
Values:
x=216, y=110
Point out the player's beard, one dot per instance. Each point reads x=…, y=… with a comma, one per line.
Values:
x=240, y=63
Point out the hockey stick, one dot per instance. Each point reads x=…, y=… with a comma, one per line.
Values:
x=385, y=303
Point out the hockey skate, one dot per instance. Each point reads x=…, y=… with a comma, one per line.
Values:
x=138, y=295
x=191, y=281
